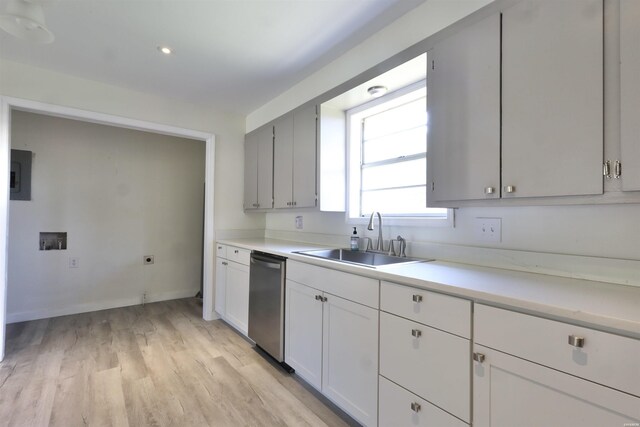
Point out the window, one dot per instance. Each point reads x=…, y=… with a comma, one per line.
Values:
x=388, y=156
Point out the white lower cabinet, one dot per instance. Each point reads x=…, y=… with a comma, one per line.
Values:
x=350, y=357
x=303, y=332
x=221, y=286
x=431, y=363
x=509, y=391
x=425, y=358
x=232, y=286
x=399, y=407
x=332, y=342
x=237, y=296
x=530, y=371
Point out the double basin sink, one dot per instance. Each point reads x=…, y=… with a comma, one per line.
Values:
x=364, y=258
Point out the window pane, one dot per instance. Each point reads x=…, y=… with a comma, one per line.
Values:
x=398, y=201
x=401, y=174
x=392, y=146
x=406, y=116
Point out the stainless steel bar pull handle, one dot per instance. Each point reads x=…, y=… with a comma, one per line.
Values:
x=416, y=333
x=576, y=341
x=415, y=407
x=417, y=298
x=606, y=169
x=478, y=357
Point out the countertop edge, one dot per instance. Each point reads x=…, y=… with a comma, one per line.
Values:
x=617, y=325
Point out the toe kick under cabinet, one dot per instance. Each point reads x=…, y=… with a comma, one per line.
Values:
x=531, y=371
x=425, y=358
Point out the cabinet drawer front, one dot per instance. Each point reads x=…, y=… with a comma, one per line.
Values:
x=398, y=408
x=434, y=365
x=604, y=358
x=360, y=289
x=221, y=250
x=238, y=255
x=439, y=311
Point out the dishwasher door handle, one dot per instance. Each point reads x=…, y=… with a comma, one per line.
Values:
x=272, y=265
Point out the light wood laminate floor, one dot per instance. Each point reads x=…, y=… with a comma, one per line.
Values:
x=155, y=365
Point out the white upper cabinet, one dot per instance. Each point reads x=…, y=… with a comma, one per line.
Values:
x=283, y=162
x=552, y=98
x=516, y=107
x=630, y=93
x=463, y=76
x=295, y=160
x=305, y=157
x=258, y=169
x=251, y=170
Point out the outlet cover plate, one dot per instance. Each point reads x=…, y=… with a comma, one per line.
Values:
x=299, y=223
x=74, y=262
x=488, y=229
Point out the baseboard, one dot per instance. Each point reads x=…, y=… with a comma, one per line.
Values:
x=97, y=306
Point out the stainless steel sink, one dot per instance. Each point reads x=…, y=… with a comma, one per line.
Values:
x=367, y=259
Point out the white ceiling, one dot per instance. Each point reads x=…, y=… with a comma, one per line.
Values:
x=234, y=55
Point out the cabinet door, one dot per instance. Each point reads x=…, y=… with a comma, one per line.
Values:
x=221, y=286
x=305, y=157
x=509, y=391
x=237, y=296
x=251, y=171
x=630, y=93
x=350, y=358
x=283, y=162
x=552, y=98
x=303, y=332
x=265, y=167
x=463, y=101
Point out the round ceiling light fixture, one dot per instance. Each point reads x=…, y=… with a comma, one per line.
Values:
x=24, y=19
x=166, y=50
x=377, y=91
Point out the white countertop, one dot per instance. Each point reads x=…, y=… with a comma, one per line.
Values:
x=605, y=306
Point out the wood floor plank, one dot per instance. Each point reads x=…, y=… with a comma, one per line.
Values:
x=34, y=403
x=108, y=404
x=155, y=365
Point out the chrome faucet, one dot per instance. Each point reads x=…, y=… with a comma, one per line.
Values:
x=369, y=244
x=403, y=246
x=380, y=243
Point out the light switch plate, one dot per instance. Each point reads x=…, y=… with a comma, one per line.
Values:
x=488, y=229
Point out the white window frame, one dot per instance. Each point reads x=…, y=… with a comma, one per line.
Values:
x=354, y=147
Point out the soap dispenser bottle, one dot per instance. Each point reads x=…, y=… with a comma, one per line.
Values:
x=355, y=240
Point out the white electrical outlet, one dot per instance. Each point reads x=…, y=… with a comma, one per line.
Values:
x=488, y=229
x=74, y=262
x=299, y=224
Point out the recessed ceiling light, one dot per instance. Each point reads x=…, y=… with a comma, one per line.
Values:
x=377, y=91
x=164, y=49
x=25, y=20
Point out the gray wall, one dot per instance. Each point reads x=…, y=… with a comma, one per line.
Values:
x=120, y=194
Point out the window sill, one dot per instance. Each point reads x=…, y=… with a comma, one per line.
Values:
x=409, y=221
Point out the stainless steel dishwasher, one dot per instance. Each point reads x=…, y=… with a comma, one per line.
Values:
x=266, y=304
